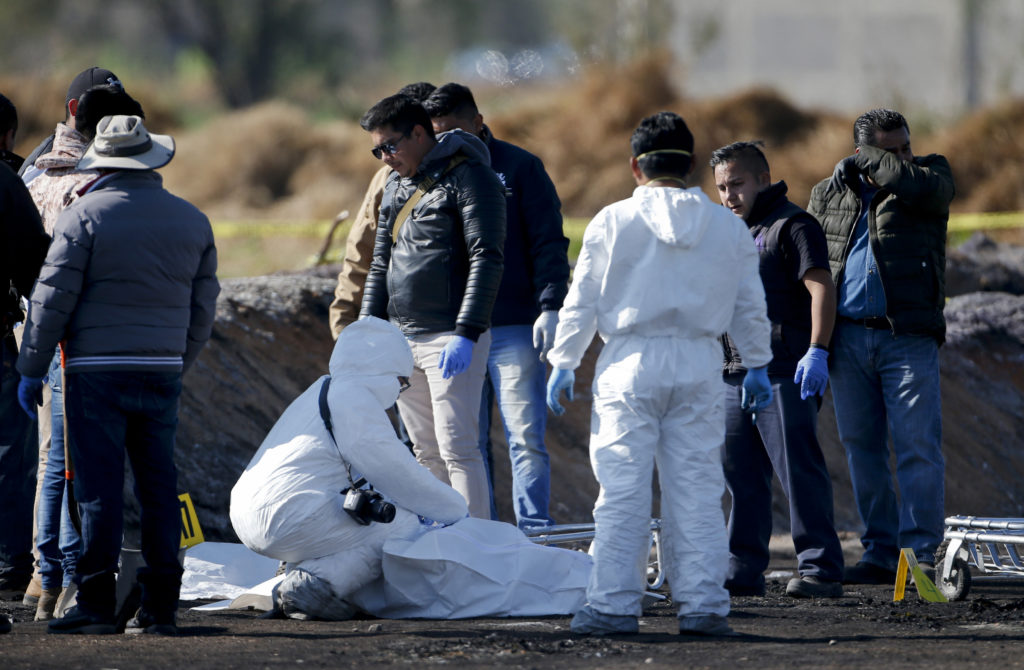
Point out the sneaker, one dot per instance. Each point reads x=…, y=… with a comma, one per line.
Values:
x=868, y=573
x=588, y=621
x=708, y=625
x=811, y=586
x=47, y=603
x=79, y=621
x=143, y=622
x=5, y=624
x=33, y=591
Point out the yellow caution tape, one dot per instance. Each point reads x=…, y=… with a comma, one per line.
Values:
x=925, y=587
x=271, y=228
x=191, y=533
x=985, y=221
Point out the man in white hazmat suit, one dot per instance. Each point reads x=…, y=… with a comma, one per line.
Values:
x=660, y=276
x=287, y=504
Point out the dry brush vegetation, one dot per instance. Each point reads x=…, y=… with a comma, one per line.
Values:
x=274, y=161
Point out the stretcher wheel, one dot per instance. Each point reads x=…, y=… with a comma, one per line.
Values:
x=959, y=584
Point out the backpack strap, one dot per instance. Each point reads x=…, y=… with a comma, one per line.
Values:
x=421, y=190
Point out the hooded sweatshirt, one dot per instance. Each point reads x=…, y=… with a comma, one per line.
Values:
x=57, y=187
x=666, y=262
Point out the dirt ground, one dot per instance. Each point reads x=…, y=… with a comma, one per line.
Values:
x=864, y=628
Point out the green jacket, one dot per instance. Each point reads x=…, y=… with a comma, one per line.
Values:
x=907, y=227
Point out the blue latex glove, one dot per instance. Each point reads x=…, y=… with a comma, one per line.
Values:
x=560, y=380
x=455, y=356
x=544, y=332
x=757, y=390
x=812, y=373
x=30, y=395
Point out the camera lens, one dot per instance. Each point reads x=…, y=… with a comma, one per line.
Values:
x=382, y=511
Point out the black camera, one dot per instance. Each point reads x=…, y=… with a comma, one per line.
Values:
x=366, y=506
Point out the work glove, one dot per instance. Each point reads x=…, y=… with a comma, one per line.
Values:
x=757, y=390
x=544, y=332
x=812, y=372
x=455, y=356
x=560, y=380
x=846, y=171
x=30, y=395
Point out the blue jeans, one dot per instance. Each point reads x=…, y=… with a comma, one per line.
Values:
x=784, y=441
x=884, y=383
x=109, y=415
x=56, y=537
x=515, y=377
x=19, y=455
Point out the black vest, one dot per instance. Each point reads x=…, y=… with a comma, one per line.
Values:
x=789, y=303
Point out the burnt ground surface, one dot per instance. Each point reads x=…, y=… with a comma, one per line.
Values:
x=862, y=629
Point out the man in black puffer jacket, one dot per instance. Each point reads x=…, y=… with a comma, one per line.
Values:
x=436, y=268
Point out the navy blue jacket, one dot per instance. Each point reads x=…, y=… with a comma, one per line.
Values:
x=536, y=273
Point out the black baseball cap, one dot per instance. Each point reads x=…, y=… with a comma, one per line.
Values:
x=94, y=76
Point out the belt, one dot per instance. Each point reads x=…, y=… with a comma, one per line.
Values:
x=875, y=322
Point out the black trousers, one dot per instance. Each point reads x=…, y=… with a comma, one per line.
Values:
x=784, y=441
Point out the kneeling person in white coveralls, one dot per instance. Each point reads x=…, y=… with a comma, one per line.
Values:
x=660, y=276
x=287, y=504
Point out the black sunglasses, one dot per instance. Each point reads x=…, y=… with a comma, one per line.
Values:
x=388, y=148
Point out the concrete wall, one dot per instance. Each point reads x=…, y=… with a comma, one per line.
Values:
x=925, y=56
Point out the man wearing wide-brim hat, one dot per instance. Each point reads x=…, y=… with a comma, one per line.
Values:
x=130, y=285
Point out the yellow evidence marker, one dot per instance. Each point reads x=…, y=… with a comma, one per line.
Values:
x=925, y=587
x=191, y=533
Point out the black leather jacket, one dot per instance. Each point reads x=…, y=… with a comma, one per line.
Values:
x=443, y=271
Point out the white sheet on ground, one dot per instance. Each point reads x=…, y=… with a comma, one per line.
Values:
x=223, y=570
x=475, y=568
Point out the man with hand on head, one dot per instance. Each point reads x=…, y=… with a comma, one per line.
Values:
x=661, y=276
x=437, y=265
x=801, y=306
x=884, y=212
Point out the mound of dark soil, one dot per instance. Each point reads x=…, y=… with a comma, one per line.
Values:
x=271, y=341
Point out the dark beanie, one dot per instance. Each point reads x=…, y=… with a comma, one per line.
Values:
x=86, y=79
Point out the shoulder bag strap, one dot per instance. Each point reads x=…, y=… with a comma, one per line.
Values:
x=421, y=190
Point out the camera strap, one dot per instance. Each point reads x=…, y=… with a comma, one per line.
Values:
x=325, y=415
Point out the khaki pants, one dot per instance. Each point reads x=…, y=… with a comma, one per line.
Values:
x=45, y=426
x=442, y=417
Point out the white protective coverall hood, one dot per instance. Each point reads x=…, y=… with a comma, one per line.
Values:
x=687, y=239
x=661, y=275
x=287, y=503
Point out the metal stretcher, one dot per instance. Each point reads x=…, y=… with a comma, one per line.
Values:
x=992, y=546
x=572, y=533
